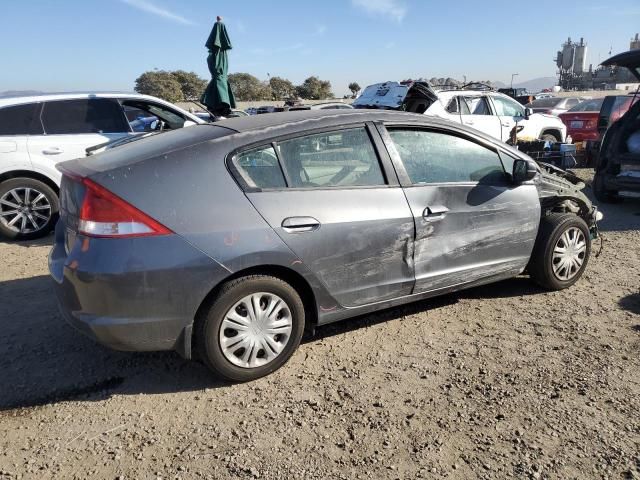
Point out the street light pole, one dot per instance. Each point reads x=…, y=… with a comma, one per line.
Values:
x=512, y=76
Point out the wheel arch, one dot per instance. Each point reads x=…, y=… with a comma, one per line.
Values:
x=30, y=174
x=293, y=278
x=552, y=131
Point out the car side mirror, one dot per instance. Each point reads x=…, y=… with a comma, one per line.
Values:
x=528, y=111
x=523, y=171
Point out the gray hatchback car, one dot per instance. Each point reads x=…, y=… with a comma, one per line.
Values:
x=223, y=242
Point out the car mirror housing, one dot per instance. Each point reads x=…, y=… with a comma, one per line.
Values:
x=528, y=111
x=523, y=171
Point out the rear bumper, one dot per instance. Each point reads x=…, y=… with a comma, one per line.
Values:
x=137, y=294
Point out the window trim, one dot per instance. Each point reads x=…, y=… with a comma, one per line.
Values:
x=386, y=166
x=405, y=180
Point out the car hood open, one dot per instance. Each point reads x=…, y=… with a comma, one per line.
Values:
x=630, y=60
x=395, y=96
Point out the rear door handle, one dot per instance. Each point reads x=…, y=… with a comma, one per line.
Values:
x=53, y=151
x=434, y=213
x=300, y=224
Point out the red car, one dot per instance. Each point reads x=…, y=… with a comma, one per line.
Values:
x=582, y=120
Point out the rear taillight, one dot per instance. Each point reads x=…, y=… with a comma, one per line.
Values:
x=104, y=214
x=589, y=125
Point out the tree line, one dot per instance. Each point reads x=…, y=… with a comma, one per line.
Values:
x=180, y=86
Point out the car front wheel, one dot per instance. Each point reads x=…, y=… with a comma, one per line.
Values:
x=28, y=208
x=561, y=251
x=251, y=328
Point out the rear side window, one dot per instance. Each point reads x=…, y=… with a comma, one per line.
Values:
x=435, y=157
x=21, y=120
x=259, y=168
x=99, y=115
x=476, y=105
x=343, y=158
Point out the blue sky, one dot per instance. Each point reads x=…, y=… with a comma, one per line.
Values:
x=106, y=44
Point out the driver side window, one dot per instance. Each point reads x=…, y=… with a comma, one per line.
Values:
x=144, y=116
x=437, y=157
x=139, y=120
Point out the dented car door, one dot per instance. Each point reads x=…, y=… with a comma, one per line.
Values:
x=341, y=211
x=472, y=224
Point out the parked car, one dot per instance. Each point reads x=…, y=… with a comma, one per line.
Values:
x=554, y=105
x=582, y=120
x=490, y=112
x=37, y=132
x=206, y=116
x=322, y=106
x=224, y=241
x=618, y=169
x=613, y=108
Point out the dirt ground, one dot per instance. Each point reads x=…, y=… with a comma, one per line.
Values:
x=499, y=381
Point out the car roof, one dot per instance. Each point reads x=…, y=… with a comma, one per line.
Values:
x=300, y=118
x=21, y=99
x=270, y=125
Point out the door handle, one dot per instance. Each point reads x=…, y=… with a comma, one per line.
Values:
x=434, y=213
x=506, y=124
x=53, y=151
x=468, y=122
x=300, y=224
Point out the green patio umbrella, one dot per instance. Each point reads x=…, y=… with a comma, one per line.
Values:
x=218, y=96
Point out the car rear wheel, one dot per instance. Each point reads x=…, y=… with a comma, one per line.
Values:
x=600, y=191
x=28, y=208
x=561, y=251
x=251, y=328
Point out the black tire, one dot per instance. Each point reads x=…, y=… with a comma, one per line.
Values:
x=601, y=193
x=51, y=198
x=540, y=267
x=550, y=137
x=209, y=325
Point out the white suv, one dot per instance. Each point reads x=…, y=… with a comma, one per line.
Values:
x=36, y=132
x=490, y=112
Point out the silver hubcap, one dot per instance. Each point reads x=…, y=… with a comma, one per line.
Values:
x=255, y=330
x=569, y=253
x=24, y=210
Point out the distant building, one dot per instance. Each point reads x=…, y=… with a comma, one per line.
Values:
x=573, y=73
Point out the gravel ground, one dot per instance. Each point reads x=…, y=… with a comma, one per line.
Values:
x=500, y=381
